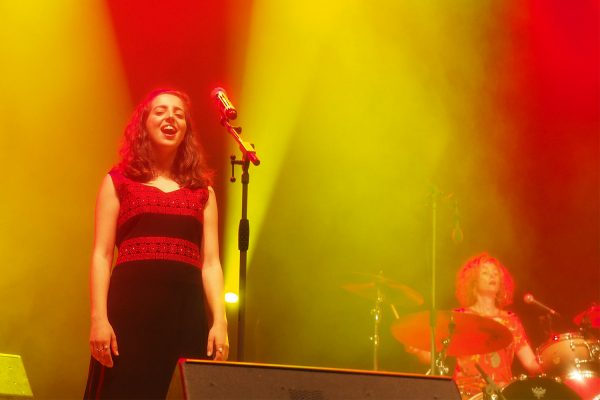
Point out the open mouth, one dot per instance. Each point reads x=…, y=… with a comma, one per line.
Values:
x=169, y=130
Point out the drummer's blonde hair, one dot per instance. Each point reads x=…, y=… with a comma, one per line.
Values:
x=468, y=276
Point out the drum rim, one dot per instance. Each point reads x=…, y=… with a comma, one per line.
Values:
x=555, y=381
x=560, y=337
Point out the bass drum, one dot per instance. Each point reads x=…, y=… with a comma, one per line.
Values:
x=539, y=388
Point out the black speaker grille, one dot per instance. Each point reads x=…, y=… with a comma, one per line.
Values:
x=204, y=380
x=306, y=394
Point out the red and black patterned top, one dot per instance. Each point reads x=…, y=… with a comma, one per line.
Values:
x=157, y=225
x=496, y=364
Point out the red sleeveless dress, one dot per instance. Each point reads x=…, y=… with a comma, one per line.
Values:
x=156, y=297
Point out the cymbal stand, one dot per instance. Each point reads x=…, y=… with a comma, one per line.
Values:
x=433, y=312
x=590, y=338
x=585, y=328
x=376, y=313
x=435, y=197
x=440, y=361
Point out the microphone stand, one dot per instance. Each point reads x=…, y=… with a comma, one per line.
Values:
x=248, y=155
x=433, y=312
x=492, y=391
x=547, y=320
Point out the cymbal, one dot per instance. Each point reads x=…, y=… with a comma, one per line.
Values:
x=372, y=287
x=592, y=314
x=473, y=334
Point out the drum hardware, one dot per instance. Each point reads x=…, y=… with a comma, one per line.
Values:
x=381, y=290
x=589, y=322
x=471, y=333
x=376, y=313
x=537, y=388
x=566, y=354
x=440, y=360
x=491, y=391
x=582, y=351
x=375, y=287
x=534, y=388
x=547, y=319
x=573, y=358
x=589, y=318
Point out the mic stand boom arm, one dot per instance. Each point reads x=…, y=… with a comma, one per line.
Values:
x=246, y=148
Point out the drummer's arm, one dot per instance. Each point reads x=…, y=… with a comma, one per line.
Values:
x=528, y=359
x=423, y=356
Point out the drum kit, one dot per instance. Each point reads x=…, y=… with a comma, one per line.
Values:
x=570, y=361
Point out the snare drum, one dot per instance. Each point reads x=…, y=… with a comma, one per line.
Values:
x=567, y=355
x=537, y=388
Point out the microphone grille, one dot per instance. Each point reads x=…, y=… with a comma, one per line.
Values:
x=215, y=92
x=528, y=298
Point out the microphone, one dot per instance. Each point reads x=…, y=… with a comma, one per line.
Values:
x=227, y=109
x=529, y=299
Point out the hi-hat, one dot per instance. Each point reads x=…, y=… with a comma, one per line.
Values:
x=473, y=334
x=378, y=287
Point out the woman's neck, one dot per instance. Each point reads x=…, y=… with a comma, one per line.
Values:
x=162, y=165
x=486, y=306
x=162, y=174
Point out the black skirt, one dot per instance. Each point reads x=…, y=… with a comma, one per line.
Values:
x=157, y=311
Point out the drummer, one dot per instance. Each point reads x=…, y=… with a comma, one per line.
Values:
x=484, y=287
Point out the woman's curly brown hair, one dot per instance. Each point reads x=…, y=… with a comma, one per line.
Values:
x=189, y=168
x=468, y=277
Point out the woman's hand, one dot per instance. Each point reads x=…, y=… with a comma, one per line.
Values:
x=218, y=342
x=103, y=342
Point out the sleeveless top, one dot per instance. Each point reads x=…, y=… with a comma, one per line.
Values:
x=156, y=293
x=157, y=225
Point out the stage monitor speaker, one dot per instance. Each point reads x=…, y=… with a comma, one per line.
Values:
x=203, y=380
x=13, y=379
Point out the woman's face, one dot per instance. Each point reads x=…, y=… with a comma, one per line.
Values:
x=166, y=125
x=489, y=279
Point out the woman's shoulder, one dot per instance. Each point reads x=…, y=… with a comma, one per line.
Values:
x=119, y=179
x=510, y=316
x=117, y=173
x=120, y=176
